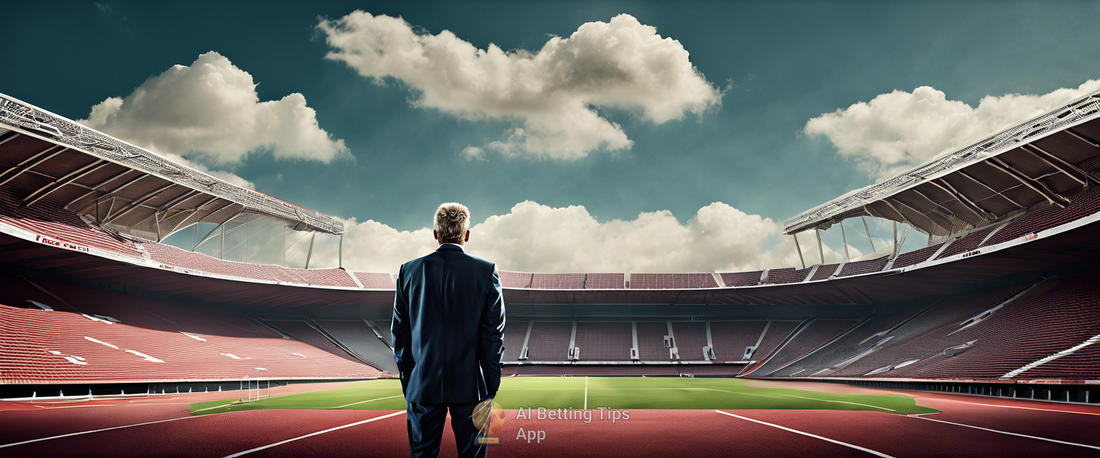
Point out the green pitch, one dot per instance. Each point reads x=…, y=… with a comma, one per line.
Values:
x=591, y=393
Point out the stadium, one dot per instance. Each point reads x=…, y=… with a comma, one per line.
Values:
x=980, y=340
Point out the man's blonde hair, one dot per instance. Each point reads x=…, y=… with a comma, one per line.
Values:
x=452, y=220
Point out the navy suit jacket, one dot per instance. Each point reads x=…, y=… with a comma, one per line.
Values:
x=448, y=327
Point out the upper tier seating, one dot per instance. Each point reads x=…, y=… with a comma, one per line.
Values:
x=1081, y=205
x=916, y=256
x=557, y=281
x=787, y=275
x=742, y=278
x=863, y=267
x=672, y=281
x=605, y=281
x=61, y=225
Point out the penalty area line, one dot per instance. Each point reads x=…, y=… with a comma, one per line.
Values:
x=815, y=436
x=265, y=447
x=1011, y=433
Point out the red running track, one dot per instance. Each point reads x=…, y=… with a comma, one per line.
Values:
x=646, y=433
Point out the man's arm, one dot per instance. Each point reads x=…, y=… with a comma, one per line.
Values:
x=399, y=328
x=492, y=334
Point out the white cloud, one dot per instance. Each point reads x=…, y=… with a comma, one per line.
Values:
x=211, y=110
x=537, y=238
x=551, y=93
x=899, y=130
x=473, y=153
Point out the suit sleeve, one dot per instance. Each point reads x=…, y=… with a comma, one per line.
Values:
x=399, y=328
x=492, y=334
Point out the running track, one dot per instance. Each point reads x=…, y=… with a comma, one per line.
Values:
x=162, y=426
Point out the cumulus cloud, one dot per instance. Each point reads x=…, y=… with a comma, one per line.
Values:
x=899, y=130
x=551, y=94
x=537, y=238
x=473, y=153
x=211, y=110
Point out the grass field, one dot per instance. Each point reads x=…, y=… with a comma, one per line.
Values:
x=591, y=393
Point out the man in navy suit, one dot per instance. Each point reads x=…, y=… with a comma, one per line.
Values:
x=448, y=336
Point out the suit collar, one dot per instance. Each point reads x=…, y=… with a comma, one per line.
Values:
x=450, y=247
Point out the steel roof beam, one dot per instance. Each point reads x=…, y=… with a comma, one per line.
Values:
x=1027, y=181
x=64, y=181
x=32, y=162
x=1053, y=160
x=139, y=201
x=101, y=184
x=1078, y=136
x=990, y=188
x=962, y=199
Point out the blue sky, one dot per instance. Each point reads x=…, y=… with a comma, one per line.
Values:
x=780, y=65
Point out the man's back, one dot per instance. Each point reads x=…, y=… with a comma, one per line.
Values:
x=448, y=327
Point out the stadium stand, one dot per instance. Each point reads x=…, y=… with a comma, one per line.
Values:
x=306, y=332
x=824, y=272
x=926, y=334
x=742, y=278
x=549, y=340
x=691, y=337
x=557, y=281
x=1059, y=313
x=60, y=225
x=863, y=267
x=916, y=256
x=809, y=338
x=776, y=333
x=672, y=281
x=605, y=281
x=120, y=338
x=651, y=343
x=517, y=280
x=375, y=280
x=966, y=243
x=357, y=336
x=514, y=333
x=604, y=341
x=786, y=275
x=1083, y=204
x=731, y=337
x=864, y=336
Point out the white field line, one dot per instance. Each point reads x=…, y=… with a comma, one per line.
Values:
x=815, y=436
x=13, y=444
x=368, y=400
x=265, y=447
x=842, y=402
x=215, y=407
x=586, y=392
x=1011, y=433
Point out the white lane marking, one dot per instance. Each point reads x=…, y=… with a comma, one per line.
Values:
x=1029, y=408
x=265, y=447
x=815, y=436
x=75, y=407
x=1011, y=433
x=368, y=400
x=586, y=392
x=13, y=444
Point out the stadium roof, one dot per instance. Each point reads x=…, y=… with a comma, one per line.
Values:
x=1036, y=163
x=50, y=158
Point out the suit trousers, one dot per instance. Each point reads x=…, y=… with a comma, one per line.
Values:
x=425, y=425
